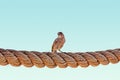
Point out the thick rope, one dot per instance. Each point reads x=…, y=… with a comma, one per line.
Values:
x=62, y=60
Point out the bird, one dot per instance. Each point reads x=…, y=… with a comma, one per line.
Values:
x=58, y=43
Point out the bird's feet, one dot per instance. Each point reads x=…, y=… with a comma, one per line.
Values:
x=61, y=51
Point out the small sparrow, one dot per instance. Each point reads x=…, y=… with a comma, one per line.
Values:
x=58, y=43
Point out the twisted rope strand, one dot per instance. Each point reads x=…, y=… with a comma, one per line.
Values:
x=62, y=60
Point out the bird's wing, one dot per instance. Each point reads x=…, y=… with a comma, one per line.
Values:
x=55, y=43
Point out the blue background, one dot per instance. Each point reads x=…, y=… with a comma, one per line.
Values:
x=88, y=25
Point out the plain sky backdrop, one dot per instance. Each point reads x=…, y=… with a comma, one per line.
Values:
x=88, y=25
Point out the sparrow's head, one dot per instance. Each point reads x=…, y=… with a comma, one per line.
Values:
x=60, y=34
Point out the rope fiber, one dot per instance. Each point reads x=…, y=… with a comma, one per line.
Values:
x=62, y=60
